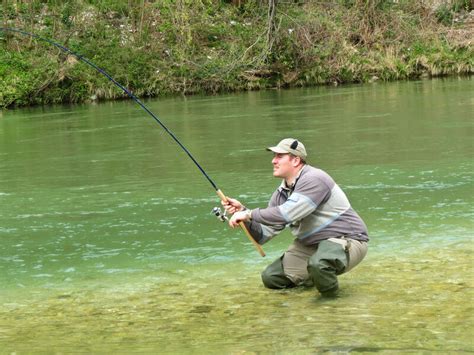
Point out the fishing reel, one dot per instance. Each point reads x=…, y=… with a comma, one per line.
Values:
x=216, y=211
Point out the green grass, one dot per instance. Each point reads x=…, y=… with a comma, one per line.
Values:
x=209, y=46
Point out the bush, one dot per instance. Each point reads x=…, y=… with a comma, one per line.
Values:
x=210, y=46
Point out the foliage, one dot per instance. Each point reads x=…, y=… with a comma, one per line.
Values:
x=446, y=13
x=191, y=46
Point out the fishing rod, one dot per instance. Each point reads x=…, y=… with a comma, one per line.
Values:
x=142, y=105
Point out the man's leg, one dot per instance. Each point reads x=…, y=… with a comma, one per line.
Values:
x=329, y=261
x=290, y=270
x=357, y=252
x=274, y=276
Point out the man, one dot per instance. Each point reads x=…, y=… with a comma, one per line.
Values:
x=331, y=238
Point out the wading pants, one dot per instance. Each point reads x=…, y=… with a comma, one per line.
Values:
x=316, y=265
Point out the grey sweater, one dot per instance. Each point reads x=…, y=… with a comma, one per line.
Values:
x=315, y=208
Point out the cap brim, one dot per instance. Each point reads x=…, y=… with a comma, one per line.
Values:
x=277, y=150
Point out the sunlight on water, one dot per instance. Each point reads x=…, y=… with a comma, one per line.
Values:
x=108, y=243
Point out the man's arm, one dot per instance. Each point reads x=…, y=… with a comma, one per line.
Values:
x=261, y=233
x=308, y=195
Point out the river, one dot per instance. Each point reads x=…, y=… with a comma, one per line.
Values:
x=108, y=243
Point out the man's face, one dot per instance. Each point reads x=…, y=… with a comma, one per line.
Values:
x=284, y=165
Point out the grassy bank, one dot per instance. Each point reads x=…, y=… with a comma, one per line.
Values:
x=209, y=46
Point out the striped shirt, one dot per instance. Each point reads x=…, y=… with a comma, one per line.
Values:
x=314, y=208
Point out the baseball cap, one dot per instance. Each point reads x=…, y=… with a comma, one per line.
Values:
x=291, y=146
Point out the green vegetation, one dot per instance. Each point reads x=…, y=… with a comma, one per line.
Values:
x=209, y=46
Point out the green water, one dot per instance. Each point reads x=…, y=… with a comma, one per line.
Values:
x=108, y=244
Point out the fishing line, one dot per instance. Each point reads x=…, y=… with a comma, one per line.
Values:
x=134, y=98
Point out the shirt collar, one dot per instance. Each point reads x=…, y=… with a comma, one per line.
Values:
x=284, y=186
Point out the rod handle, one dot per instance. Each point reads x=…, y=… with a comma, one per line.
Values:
x=243, y=226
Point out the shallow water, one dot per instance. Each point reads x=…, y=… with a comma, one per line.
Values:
x=108, y=243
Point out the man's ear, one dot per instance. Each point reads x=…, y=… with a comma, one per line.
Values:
x=296, y=161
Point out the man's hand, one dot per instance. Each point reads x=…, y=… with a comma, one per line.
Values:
x=232, y=205
x=241, y=216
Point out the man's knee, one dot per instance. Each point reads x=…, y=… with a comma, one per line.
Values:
x=274, y=276
x=323, y=267
x=329, y=256
x=323, y=275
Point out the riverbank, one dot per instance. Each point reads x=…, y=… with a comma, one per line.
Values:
x=166, y=48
